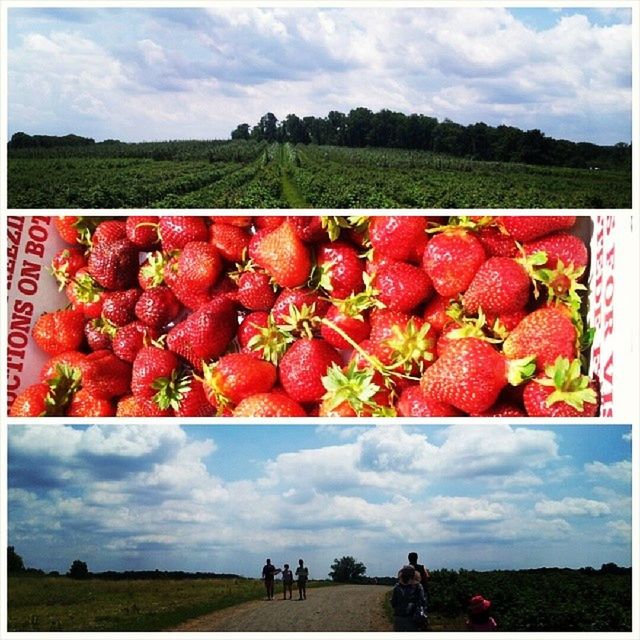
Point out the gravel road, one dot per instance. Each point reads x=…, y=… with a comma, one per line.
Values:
x=341, y=608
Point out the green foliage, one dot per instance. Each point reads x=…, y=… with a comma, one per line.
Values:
x=347, y=569
x=15, y=563
x=78, y=570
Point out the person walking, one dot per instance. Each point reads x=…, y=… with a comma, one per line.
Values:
x=269, y=575
x=287, y=582
x=302, y=574
x=409, y=602
x=420, y=568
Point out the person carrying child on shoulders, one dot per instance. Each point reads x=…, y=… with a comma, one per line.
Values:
x=409, y=602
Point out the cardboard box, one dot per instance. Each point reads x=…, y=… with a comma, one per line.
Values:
x=612, y=282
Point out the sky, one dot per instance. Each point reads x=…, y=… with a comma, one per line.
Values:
x=176, y=73
x=224, y=498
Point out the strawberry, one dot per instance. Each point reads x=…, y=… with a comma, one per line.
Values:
x=298, y=298
x=85, y=295
x=470, y=375
x=563, y=247
x=236, y=376
x=128, y=340
x=545, y=333
x=154, y=370
x=250, y=327
x=193, y=402
x=143, y=231
x=59, y=331
x=340, y=269
x=84, y=405
x=274, y=404
x=303, y=366
x=563, y=392
x=396, y=236
x=413, y=403
x=502, y=324
x=109, y=231
x=526, y=228
x=157, y=307
x=503, y=410
x=234, y=221
x=230, y=241
x=69, y=359
x=106, y=375
x=205, y=334
x=356, y=326
x=114, y=265
x=255, y=291
x=500, y=285
x=119, y=306
x=76, y=229
x=97, y=333
x=262, y=338
x=308, y=228
x=282, y=254
x=152, y=270
x=176, y=231
x=451, y=259
x=136, y=407
x=32, y=402
x=435, y=313
x=66, y=263
x=402, y=286
x=497, y=242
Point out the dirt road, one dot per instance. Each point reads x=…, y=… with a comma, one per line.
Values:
x=343, y=608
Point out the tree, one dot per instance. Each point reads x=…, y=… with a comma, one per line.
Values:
x=14, y=561
x=241, y=132
x=78, y=570
x=347, y=569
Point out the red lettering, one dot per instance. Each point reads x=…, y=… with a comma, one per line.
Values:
x=29, y=277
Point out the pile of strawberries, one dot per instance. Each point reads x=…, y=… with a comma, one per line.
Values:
x=296, y=316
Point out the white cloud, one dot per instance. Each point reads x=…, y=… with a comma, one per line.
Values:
x=572, y=507
x=618, y=471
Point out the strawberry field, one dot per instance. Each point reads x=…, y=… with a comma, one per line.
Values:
x=251, y=174
x=333, y=316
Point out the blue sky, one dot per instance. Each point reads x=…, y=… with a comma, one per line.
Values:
x=152, y=74
x=223, y=498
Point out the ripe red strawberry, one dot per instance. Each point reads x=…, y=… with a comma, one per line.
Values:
x=503, y=410
x=304, y=365
x=525, y=228
x=192, y=401
x=298, y=298
x=356, y=326
x=119, y=306
x=85, y=295
x=31, y=403
x=255, y=291
x=274, y=404
x=236, y=376
x=235, y=221
x=157, y=307
x=230, y=241
x=106, y=375
x=340, y=269
x=143, y=231
x=500, y=285
x=76, y=229
x=497, y=242
x=114, y=265
x=152, y=270
x=309, y=228
x=503, y=324
x=282, y=254
x=59, y=331
x=259, y=336
x=402, y=286
x=66, y=263
x=136, y=407
x=451, y=259
x=268, y=222
x=69, y=359
x=109, y=231
x=470, y=375
x=545, y=333
x=98, y=334
x=563, y=392
x=413, y=403
x=128, y=340
x=435, y=313
x=84, y=405
x=569, y=249
x=205, y=334
x=396, y=236
x=153, y=371
x=176, y=231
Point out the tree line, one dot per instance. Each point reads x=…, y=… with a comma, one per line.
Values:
x=361, y=127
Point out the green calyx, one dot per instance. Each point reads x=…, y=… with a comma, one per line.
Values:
x=153, y=271
x=62, y=385
x=301, y=321
x=271, y=340
x=569, y=384
x=411, y=346
x=520, y=370
x=170, y=390
x=85, y=289
x=105, y=326
x=213, y=383
x=355, y=304
x=461, y=222
x=354, y=386
x=563, y=284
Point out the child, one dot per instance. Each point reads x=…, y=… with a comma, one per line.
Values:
x=303, y=574
x=408, y=601
x=287, y=582
x=479, y=615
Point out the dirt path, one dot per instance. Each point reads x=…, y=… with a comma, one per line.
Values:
x=343, y=608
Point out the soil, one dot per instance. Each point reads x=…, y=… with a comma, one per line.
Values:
x=339, y=608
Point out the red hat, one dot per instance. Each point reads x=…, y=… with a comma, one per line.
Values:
x=478, y=604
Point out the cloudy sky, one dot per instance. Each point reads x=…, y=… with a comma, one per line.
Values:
x=225, y=498
x=155, y=74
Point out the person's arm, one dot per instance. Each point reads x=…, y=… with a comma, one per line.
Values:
x=422, y=599
x=394, y=599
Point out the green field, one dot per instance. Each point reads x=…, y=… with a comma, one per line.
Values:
x=251, y=174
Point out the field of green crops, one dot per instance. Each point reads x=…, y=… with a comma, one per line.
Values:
x=249, y=174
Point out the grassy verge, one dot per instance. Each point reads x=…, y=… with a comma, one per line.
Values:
x=62, y=604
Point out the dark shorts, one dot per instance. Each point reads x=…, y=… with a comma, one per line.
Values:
x=404, y=623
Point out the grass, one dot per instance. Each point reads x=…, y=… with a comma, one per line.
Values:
x=62, y=604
